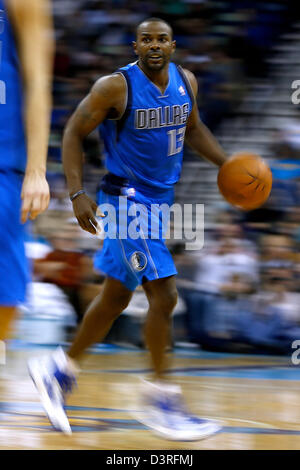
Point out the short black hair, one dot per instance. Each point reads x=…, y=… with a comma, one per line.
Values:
x=153, y=19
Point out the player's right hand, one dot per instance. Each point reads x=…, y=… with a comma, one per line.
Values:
x=35, y=195
x=85, y=209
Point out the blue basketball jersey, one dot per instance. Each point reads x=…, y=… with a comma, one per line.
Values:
x=12, y=135
x=146, y=144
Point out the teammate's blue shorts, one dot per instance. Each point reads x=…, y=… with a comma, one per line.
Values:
x=13, y=262
x=134, y=251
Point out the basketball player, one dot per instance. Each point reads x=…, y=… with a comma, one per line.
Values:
x=25, y=99
x=145, y=110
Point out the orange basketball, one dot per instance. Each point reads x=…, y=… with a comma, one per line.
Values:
x=245, y=180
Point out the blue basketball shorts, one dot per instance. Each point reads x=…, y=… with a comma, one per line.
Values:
x=13, y=263
x=134, y=250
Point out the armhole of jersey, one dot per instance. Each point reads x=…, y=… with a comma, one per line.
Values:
x=187, y=84
x=121, y=121
x=126, y=100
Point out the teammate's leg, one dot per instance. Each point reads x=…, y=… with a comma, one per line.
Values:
x=57, y=375
x=101, y=314
x=7, y=314
x=14, y=269
x=162, y=298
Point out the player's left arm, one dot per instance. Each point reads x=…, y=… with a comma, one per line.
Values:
x=197, y=135
x=32, y=22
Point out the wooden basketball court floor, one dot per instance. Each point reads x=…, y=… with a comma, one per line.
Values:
x=256, y=399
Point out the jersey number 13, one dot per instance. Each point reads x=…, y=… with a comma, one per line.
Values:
x=175, y=140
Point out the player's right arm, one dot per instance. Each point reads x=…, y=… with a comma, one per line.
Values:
x=106, y=98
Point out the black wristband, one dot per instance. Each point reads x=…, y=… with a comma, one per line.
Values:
x=82, y=191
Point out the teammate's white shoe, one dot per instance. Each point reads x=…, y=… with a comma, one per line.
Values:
x=53, y=378
x=164, y=413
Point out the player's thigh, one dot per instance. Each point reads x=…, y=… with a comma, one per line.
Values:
x=115, y=294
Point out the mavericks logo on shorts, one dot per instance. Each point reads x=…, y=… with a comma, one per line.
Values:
x=138, y=260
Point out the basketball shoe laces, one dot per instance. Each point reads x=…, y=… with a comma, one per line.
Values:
x=64, y=384
x=176, y=412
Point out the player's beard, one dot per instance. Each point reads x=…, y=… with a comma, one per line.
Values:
x=154, y=65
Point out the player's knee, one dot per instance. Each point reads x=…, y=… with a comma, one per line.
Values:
x=165, y=303
x=171, y=301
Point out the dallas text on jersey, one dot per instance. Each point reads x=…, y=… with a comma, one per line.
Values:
x=154, y=118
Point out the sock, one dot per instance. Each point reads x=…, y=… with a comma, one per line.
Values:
x=64, y=362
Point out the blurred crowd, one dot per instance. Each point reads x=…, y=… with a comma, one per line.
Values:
x=243, y=288
x=241, y=291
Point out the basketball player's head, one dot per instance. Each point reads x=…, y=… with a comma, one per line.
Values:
x=154, y=43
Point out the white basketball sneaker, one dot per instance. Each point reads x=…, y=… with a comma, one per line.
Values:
x=164, y=413
x=54, y=377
